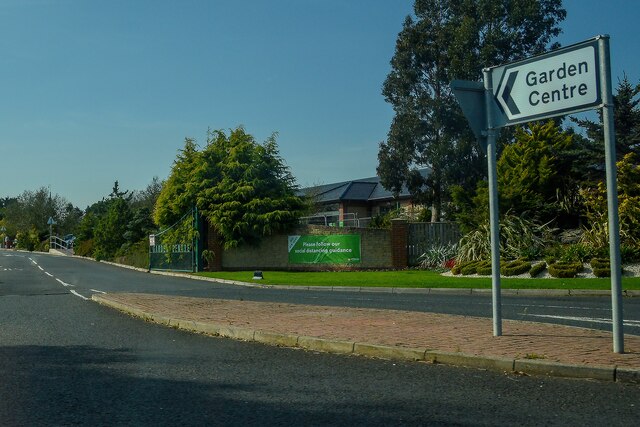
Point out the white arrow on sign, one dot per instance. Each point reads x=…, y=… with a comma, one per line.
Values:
x=560, y=82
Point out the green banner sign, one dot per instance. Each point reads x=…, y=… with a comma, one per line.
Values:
x=334, y=249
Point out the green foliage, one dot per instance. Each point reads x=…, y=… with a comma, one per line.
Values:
x=244, y=189
x=535, y=179
x=484, y=268
x=518, y=237
x=537, y=268
x=475, y=245
x=28, y=240
x=626, y=117
x=469, y=268
x=595, y=201
x=116, y=226
x=565, y=270
x=629, y=253
x=146, y=199
x=179, y=192
x=601, y=267
x=28, y=214
x=514, y=268
x=111, y=228
x=437, y=256
x=599, y=263
x=136, y=255
x=450, y=40
x=602, y=272
x=384, y=221
x=575, y=253
x=209, y=257
x=415, y=279
x=531, y=171
x=84, y=247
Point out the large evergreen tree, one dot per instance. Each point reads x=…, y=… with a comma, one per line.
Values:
x=446, y=40
x=243, y=188
x=626, y=118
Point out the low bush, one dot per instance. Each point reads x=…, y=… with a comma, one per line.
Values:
x=602, y=272
x=602, y=267
x=470, y=268
x=514, y=268
x=565, y=270
x=537, y=269
x=630, y=253
x=599, y=263
x=136, y=255
x=576, y=252
x=84, y=248
x=455, y=270
x=484, y=268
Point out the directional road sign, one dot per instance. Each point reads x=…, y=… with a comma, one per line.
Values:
x=560, y=82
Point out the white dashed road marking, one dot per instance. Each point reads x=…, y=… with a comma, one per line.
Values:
x=78, y=295
x=63, y=283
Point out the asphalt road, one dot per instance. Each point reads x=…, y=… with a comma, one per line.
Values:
x=65, y=360
x=85, y=277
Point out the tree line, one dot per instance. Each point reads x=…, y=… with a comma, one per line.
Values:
x=550, y=173
x=241, y=187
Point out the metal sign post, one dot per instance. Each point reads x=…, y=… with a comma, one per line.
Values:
x=494, y=211
x=612, y=197
x=564, y=81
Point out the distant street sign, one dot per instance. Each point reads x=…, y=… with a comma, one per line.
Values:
x=560, y=82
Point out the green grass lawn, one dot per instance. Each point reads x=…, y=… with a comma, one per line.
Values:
x=413, y=279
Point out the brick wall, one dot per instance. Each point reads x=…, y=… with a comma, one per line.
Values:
x=272, y=252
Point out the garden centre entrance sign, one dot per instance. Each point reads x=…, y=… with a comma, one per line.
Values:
x=564, y=81
x=559, y=82
x=332, y=249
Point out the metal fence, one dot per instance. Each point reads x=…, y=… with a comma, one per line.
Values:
x=183, y=255
x=423, y=236
x=332, y=219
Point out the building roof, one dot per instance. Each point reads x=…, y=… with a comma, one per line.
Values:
x=360, y=190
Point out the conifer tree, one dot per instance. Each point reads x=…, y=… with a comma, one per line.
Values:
x=446, y=40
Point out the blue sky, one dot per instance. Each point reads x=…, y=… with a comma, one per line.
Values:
x=93, y=91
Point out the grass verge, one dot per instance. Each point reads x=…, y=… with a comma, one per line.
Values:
x=413, y=279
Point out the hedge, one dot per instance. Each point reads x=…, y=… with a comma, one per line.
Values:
x=565, y=270
x=514, y=268
x=537, y=269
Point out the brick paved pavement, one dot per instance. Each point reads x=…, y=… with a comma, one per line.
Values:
x=404, y=329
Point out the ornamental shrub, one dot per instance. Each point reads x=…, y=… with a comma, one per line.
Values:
x=514, y=268
x=600, y=263
x=537, y=269
x=565, y=270
x=484, y=268
x=602, y=272
x=437, y=256
x=470, y=268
